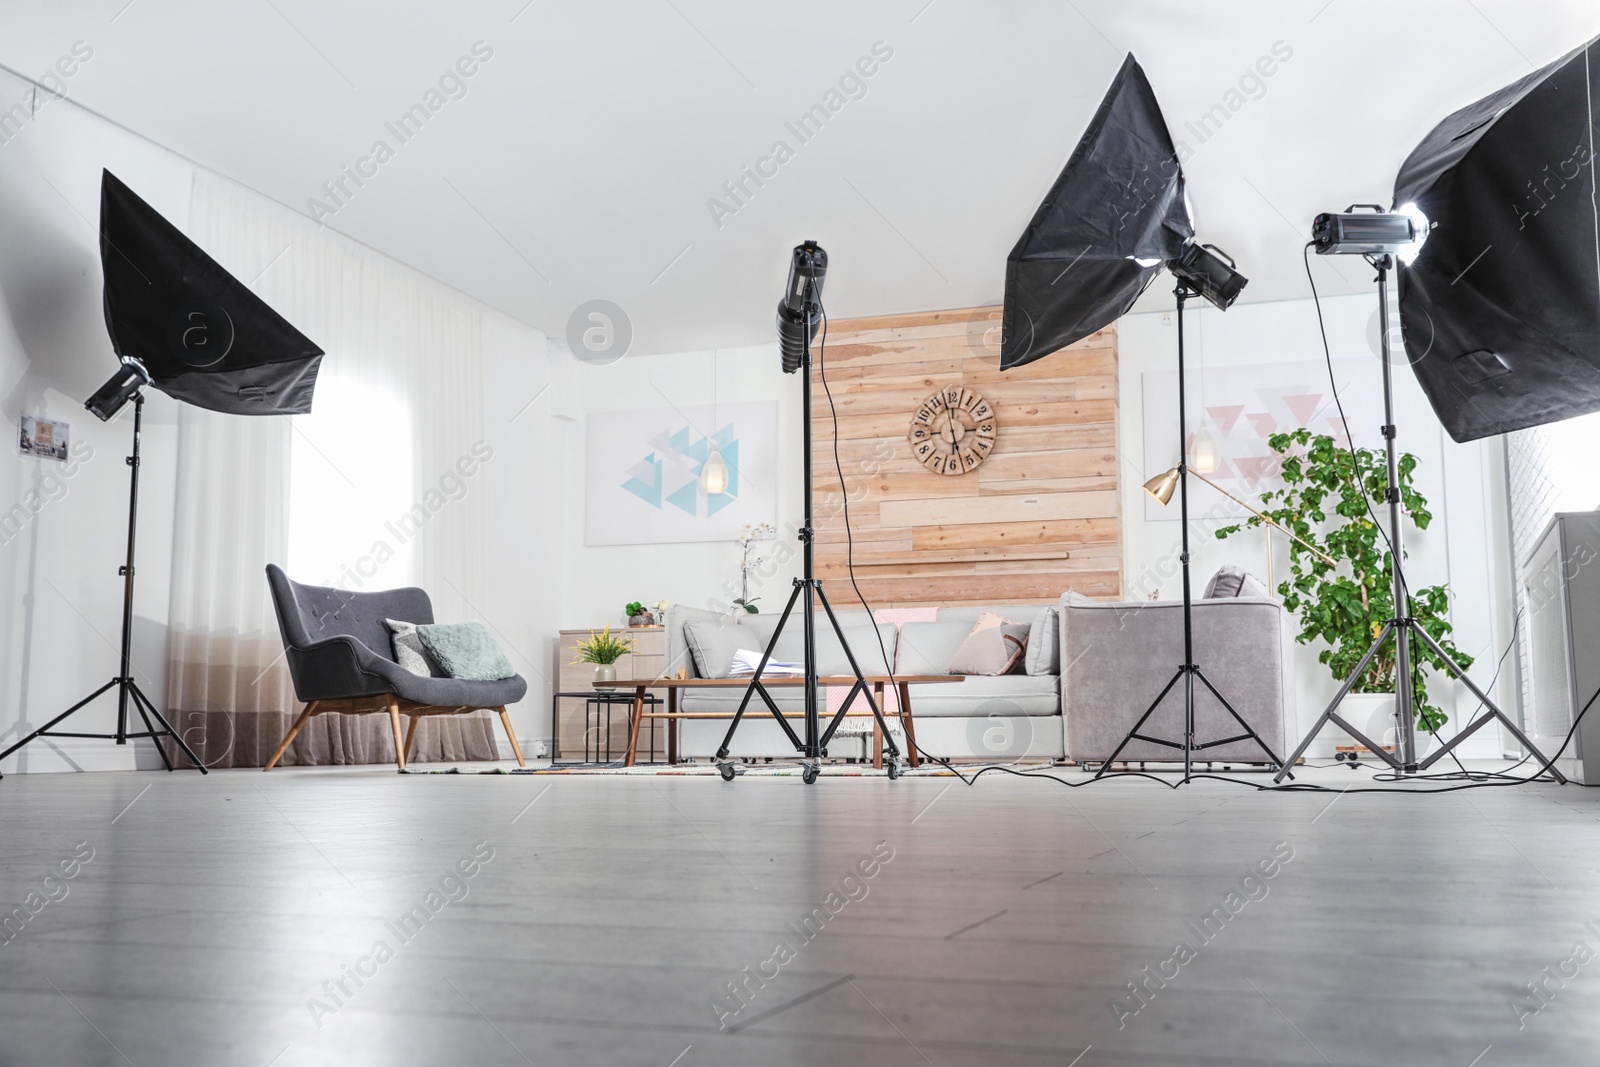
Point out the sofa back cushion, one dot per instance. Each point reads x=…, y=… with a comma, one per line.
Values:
x=927, y=647
x=713, y=644
x=679, y=655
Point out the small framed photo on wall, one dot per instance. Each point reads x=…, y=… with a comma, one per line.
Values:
x=43, y=437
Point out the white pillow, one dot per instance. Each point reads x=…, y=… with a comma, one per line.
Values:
x=1044, y=643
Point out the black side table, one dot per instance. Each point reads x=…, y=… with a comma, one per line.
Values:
x=597, y=705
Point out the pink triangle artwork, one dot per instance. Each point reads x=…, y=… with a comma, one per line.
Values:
x=1242, y=407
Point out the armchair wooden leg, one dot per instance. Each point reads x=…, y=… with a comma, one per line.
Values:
x=505, y=720
x=411, y=734
x=399, y=743
x=305, y=716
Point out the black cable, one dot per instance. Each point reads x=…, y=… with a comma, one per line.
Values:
x=1474, y=780
x=850, y=545
x=1398, y=558
x=1349, y=433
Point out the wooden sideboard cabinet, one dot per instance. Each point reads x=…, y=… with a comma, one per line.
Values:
x=646, y=661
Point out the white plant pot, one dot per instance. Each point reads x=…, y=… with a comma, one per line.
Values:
x=1372, y=714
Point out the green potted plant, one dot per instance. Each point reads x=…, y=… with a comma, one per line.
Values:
x=638, y=614
x=1329, y=498
x=603, y=649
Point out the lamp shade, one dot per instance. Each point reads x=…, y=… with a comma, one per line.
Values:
x=1162, y=486
x=714, y=475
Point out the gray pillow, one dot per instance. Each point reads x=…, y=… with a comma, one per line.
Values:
x=1231, y=581
x=1226, y=583
x=408, y=650
x=465, y=650
x=991, y=649
x=1044, y=643
x=713, y=644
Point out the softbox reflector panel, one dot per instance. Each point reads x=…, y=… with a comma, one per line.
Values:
x=205, y=338
x=1114, y=216
x=1501, y=309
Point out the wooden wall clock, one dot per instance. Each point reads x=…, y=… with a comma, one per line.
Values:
x=953, y=431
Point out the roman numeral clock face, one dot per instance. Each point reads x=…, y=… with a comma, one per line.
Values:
x=953, y=431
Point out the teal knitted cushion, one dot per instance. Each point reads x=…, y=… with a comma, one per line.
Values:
x=465, y=650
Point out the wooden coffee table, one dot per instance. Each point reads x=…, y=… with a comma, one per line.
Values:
x=673, y=686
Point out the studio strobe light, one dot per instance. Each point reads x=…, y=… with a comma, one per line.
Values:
x=1382, y=237
x=1211, y=273
x=799, y=314
x=1373, y=232
x=800, y=310
x=1115, y=216
x=180, y=323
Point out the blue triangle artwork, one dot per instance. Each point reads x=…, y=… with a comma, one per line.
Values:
x=669, y=474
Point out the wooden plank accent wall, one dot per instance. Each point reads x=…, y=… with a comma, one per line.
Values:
x=1042, y=515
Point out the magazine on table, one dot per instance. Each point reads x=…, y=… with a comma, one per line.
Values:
x=746, y=662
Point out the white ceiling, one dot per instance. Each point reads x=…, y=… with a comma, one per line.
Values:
x=580, y=162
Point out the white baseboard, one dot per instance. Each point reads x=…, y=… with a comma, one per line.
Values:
x=54, y=755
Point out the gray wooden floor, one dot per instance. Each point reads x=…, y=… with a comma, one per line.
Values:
x=217, y=916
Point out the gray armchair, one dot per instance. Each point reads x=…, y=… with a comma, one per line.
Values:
x=338, y=650
x=1116, y=657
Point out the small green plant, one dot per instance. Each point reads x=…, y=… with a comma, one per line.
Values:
x=748, y=605
x=633, y=608
x=1329, y=496
x=603, y=647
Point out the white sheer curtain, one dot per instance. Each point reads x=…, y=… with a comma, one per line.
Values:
x=372, y=490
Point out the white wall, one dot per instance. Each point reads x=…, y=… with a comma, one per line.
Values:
x=600, y=580
x=60, y=596
x=527, y=495
x=1464, y=485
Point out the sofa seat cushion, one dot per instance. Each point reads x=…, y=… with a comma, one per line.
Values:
x=973, y=697
x=980, y=696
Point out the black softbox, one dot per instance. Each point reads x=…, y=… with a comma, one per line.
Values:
x=202, y=335
x=1501, y=309
x=1113, y=218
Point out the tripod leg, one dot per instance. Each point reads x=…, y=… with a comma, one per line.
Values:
x=47, y=727
x=138, y=695
x=1327, y=714
x=1151, y=710
x=1237, y=717
x=1493, y=708
x=861, y=679
x=155, y=735
x=755, y=683
x=838, y=716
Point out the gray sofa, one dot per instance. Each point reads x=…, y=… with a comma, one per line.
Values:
x=1119, y=656
x=1007, y=717
x=1097, y=668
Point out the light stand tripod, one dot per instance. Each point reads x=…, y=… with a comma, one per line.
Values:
x=1404, y=626
x=1188, y=670
x=127, y=689
x=797, y=317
